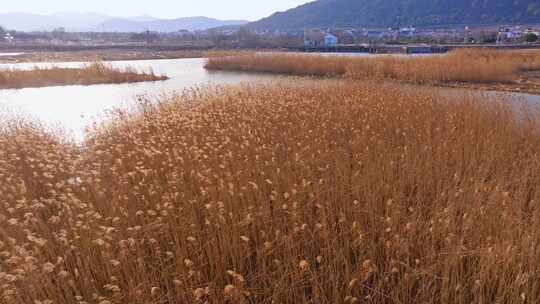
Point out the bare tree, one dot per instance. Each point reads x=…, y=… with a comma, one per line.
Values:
x=247, y=38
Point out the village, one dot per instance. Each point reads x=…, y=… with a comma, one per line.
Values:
x=298, y=39
x=502, y=35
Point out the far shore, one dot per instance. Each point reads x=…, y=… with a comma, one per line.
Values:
x=99, y=55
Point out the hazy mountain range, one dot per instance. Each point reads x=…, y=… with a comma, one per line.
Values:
x=73, y=21
x=321, y=13
x=386, y=13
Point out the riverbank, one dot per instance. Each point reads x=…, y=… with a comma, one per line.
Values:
x=528, y=82
x=94, y=73
x=99, y=55
x=513, y=71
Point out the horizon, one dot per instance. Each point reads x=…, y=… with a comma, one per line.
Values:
x=232, y=10
x=117, y=16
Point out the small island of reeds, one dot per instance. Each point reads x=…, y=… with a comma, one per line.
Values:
x=92, y=73
x=475, y=68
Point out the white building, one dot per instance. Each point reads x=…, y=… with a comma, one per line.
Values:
x=407, y=31
x=8, y=38
x=510, y=35
x=330, y=40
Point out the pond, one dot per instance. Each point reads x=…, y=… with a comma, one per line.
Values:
x=75, y=107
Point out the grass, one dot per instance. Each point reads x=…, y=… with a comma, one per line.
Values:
x=94, y=73
x=461, y=66
x=318, y=192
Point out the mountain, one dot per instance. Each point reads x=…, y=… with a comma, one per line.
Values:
x=77, y=20
x=34, y=22
x=385, y=13
x=163, y=25
x=118, y=25
x=74, y=21
x=143, y=18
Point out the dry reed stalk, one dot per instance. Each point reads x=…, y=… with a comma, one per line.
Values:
x=323, y=192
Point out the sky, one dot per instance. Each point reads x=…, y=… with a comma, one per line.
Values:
x=221, y=9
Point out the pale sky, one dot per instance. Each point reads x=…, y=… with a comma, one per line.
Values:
x=221, y=9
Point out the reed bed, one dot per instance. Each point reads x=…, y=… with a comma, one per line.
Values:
x=319, y=192
x=461, y=66
x=276, y=63
x=93, y=73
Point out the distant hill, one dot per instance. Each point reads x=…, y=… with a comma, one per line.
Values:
x=164, y=25
x=143, y=18
x=384, y=13
x=73, y=21
x=34, y=22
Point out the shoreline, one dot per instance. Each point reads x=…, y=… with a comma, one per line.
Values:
x=528, y=83
x=105, y=55
x=503, y=88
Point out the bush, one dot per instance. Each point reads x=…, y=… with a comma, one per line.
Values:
x=531, y=37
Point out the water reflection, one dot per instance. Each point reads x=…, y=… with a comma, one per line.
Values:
x=75, y=107
x=10, y=54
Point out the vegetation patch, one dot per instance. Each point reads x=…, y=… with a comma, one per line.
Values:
x=488, y=68
x=94, y=73
x=318, y=192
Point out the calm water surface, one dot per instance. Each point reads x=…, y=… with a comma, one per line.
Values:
x=10, y=54
x=75, y=107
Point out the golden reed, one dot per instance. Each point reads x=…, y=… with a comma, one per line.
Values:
x=93, y=73
x=318, y=192
x=477, y=66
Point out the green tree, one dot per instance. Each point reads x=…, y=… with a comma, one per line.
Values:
x=531, y=37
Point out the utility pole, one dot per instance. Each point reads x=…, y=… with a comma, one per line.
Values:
x=305, y=37
x=467, y=35
x=398, y=21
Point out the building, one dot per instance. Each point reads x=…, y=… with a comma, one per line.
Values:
x=510, y=35
x=9, y=38
x=407, y=31
x=330, y=40
x=319, y=38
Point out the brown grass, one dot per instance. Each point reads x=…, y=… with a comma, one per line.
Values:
x=469, y=66
x=94, y=73
x=323, y=192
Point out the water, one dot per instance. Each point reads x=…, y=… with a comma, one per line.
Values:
x=75, y=107
x=10, y=54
